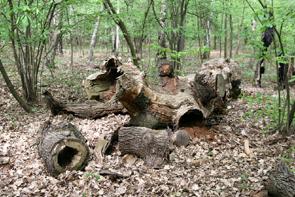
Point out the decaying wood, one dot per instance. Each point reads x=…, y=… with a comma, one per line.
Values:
x=281, y=182
x=181, y=138
x=166, y=69
x=89, y=109
x=62, y=147
x=221, y=76
x=179, y=102
x=101, y=85
x=151, y=109
x=151, y=145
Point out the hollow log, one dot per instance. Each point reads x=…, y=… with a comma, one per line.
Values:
x=62, y=147
x=180, y=103
x=101, y=85
x=89, y=109
x=151, y=145
x=281, y=182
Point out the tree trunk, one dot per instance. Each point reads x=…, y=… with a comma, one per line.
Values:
x=189, y=101
x=151, y=145
x=225, y=36
x=281, y=182
x=89, y=110
x=231, y=36
x=12, y=90
x=161, y=54
x=112, y=12
x=292, y=114
x=55, y=38
x=101, y=86
x=240, y=30
x=93, y=41
x=62, y=147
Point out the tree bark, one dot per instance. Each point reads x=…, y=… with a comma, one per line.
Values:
x=89, y=110
x=93, y=41
x=12, y=90
x=281, y=182
x=62, y=147
x=151, y=145
x=111, y=10
x=292, y=114
x=189, y=101
x=101, y=85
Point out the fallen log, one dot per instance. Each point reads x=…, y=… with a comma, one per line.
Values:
x=89, y=109
x=62, y=147
x=151, y=145
x=281, y=182
x=180, y=104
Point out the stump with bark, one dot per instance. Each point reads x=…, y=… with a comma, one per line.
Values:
x=89, y=109
x=62, y=147
x=281, y=182
x=151, y=145
x=101, y=85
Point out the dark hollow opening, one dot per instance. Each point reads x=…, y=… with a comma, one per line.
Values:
x=66, y=156
x=190, y=118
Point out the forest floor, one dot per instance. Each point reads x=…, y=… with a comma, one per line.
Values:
x=207, y=167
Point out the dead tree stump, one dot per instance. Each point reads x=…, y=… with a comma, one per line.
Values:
x=62, y=147
x=151, y=145
x=281, y=182
x=102, y=84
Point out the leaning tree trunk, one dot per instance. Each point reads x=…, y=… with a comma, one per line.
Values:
x=151, y=145
x=93, y=41
x=281, y=182
x=62, y=147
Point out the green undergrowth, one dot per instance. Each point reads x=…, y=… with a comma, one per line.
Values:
x=289, y=157
x=262, y=109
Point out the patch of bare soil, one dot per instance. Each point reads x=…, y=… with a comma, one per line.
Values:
x=235, y=163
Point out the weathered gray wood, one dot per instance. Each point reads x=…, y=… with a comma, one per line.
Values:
x=281, y=182
x=62, y=147
x=151, y=145
x=89, y=109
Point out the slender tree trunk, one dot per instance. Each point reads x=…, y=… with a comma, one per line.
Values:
x=11, y=88
x=215, y=42
x=225, y=36
x=112, y=12
x=231, y=36
x=93, y=41
x=240, y=30
x=161, y=54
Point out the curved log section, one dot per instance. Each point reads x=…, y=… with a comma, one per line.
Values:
x=151, y=145
x=182, y=101
x=89, y=110
x=151, y=109
x=62, y=147
x=281, y=182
